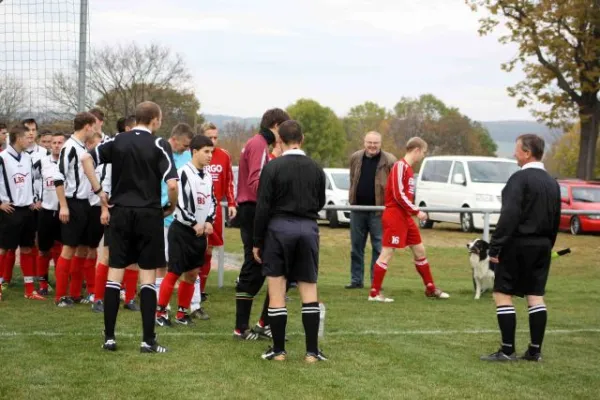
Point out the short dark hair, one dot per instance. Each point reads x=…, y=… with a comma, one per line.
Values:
x=123, y=122
x=146, y=111
x=272, y=117
x=290, y=132
x=16, y=132
x=2, y=125
x=534, y=144
x=45, y=132
x=82, y=119
x=28, y=121
x=59, y=134
x=200, y=141
x=98, y=113
x=182, y=129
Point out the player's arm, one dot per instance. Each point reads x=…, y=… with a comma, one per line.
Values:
x=322, y=186
x=556, y=219
x=212, y=212
x=5, y=200
x=166, y=166
x=399, y=187
x=256, y=162
x=229, y=183
x=263, y=206
x=90, y=172
x=36, y=174
x=59, y=184
x=510, y=215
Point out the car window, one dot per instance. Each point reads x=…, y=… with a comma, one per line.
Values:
x=329, y=187
x=564, y=192
x=459, y=168
x=341, y=180
x=586, y=194
x=436, y=171
x=491, y=171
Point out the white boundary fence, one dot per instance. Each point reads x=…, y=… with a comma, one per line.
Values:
x=485, y=211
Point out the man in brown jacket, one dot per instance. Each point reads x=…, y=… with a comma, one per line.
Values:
x=369, y=169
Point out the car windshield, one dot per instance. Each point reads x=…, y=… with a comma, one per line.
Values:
x=341, y=180
x=491, y=171
x=586, y=194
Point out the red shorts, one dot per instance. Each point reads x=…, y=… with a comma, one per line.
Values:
x=399, y=229
x=216, y=239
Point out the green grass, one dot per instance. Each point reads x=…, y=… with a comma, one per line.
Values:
x=413, y=348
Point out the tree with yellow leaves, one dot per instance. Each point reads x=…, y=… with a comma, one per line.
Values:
x=561, y=160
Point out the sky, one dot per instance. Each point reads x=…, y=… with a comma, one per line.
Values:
x=248, y=56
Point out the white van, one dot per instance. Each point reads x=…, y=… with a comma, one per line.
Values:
x=337, y=187
x=462, y=182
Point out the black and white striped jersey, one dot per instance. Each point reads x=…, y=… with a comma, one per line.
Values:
x=102, y=172
x=16, y=182
x=37, y=153
x=70, y=171
x=49, y=171
x=196, y=202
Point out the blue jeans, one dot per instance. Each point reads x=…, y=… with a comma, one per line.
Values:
x=363, y=223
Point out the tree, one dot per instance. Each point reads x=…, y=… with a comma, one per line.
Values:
x=361, y=119
x=120, y=77
x=561, y=160
x=233, y=137
x=323, y=132
x=559, y=49
x=12, y=98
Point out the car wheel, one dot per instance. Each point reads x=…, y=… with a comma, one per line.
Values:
x=575, y=226
x=466, y=222
x=332, y=217
x=427, y=224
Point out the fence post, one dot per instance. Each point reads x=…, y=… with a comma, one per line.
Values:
x=486, y=226
x=221, y=271
x=82, y=61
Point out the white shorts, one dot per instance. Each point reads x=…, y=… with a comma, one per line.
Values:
x=166, y=230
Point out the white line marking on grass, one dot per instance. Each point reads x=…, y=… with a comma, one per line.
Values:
x=335, y=333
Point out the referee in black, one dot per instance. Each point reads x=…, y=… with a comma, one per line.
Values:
x=522, y=245
x=291, y=193
x=139, y=162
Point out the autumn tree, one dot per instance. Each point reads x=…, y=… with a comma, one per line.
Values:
x=233, y=137
x=561, y=160
x=12, y=98
x=323, y=131
x=120, y=77
x=559, y=52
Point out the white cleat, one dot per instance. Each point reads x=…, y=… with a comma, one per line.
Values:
x=381, y=299
x=437, y=294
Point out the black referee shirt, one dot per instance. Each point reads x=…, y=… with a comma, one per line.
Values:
x=290, y=185
x=530, y=208
x=140, y=161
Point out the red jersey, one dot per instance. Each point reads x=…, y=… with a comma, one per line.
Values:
x=222, y=174
x=400, y=188
x=272, y=156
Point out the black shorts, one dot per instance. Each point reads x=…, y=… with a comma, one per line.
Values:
x=523, y=268
x=74, y=233
x=106, y=235
x=292, y=249
x=95, y=229
x=49, y=228
x=186, y=250
x=136, y=237
x=17, y=229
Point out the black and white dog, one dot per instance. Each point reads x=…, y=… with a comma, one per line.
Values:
x=483, y=270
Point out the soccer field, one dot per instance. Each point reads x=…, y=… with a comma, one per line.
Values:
x=413, y=348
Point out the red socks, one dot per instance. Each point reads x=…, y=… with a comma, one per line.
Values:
x=184, y=297
x=378, y=274
x=55, y=252
x=2, y=259
x=130, y=280
x=28, y=268
x=9, y=264
x=166, y=289
x=61, y=272
x=422, y=266
x=42, y=266
x=89, y=271
x=76, y=271
x=205, y=270
x=100, y=281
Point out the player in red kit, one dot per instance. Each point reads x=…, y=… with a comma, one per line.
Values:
x=399, y=228
x=222, y=174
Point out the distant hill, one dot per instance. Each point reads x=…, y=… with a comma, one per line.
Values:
x=504, y=133
x=220, y=120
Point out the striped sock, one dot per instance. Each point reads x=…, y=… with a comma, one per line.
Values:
x=111, y=308
x=538, y=316
x=278, y=319
x=243, y=308
x=507, y=321
x=311, y=316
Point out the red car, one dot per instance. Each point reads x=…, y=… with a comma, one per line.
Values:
x=580, y=195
